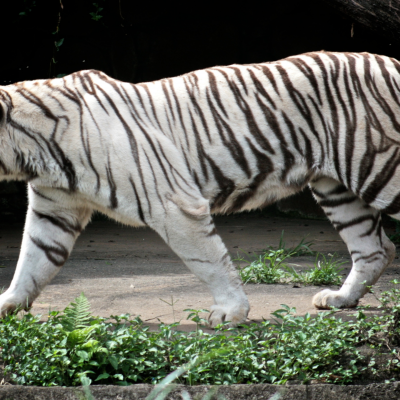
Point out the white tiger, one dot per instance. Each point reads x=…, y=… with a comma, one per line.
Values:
x=168, y=154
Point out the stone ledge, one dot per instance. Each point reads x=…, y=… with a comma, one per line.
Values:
x=389, y=391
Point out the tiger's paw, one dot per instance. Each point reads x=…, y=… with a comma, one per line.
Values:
x=9, y=304
x=327, y=299
x=233, y=315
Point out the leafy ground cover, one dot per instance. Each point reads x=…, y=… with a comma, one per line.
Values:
x=75, y=348
x=272, y=266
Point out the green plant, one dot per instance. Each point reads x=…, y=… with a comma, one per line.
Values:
x=326, y=271
x=266, y=268
x=381, y=331
x=272, y=266
x=58, y=42
x=166, y=386
x=29, y=5
x=73, y=349
x=96, y=13
x=77, y=315
x=388, y=321
x=303, y=248
x=172, y=304
x=194, y=315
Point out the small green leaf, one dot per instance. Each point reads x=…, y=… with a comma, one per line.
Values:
x=59, y=42
x=113, y=361
x=102, y=376
x=83, y=355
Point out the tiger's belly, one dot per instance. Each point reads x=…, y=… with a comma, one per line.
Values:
x=258, y=192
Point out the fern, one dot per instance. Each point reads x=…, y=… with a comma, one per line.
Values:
x=77, y=315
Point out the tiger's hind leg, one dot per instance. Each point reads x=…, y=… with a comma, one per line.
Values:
x=360, y=227
x=193, y=237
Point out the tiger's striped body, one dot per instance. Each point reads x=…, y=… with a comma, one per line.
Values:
x=169, y=153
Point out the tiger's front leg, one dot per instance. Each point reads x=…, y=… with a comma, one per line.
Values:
x=52, y=226
x=360, y=227
x=195, y=240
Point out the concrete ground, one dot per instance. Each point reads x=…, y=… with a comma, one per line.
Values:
x=131, y=270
